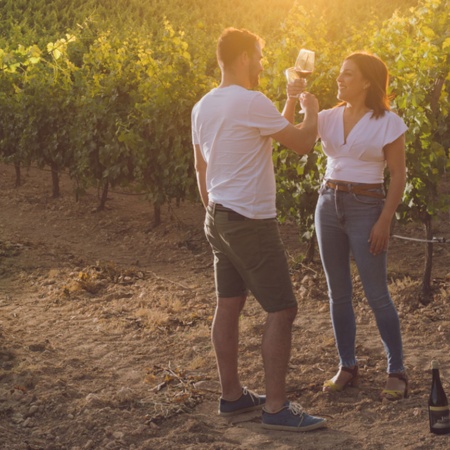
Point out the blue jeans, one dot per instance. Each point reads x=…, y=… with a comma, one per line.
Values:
x=343, y=223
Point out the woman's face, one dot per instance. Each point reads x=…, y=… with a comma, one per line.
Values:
x=351, y=84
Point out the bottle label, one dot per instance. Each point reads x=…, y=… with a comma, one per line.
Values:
x=439, y=408
x=439, y=418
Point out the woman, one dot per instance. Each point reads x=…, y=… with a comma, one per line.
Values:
x=360, y=137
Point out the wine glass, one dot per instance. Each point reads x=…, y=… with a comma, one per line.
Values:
x=304, y=65
x=303, y=68
x=291, y=76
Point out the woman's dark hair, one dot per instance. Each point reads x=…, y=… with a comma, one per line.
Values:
x=374, y=70
x=233, y=42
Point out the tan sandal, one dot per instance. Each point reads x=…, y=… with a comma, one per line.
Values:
x=396, y=394
x=331, y=386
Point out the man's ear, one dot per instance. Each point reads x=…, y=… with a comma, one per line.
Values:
x=245, y=57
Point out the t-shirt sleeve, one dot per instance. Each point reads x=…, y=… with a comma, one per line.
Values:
x=265, y=116
x=395, y=128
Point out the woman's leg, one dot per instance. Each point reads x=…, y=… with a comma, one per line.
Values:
x=372, y=269
x=334, y=252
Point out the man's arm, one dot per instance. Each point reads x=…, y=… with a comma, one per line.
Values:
x=289, y=109
x=200, y=171
x=302, y=137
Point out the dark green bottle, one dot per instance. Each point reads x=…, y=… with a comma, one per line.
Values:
x=438, y=404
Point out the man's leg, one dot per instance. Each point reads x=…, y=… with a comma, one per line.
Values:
x=225, y=339
x=276, y=351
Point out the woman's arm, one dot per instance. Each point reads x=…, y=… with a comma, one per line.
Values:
x=293, y=91
x=395, y=159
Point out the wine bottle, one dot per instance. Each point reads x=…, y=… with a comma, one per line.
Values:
x=438, y=404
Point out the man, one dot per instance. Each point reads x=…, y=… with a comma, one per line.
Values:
x=232, y=127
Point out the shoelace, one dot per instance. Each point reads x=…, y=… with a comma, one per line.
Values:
x=296, y=409
x=253, y=395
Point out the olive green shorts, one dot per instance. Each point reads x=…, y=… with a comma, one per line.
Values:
x=249, y=255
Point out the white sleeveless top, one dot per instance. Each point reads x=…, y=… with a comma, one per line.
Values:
x=360, y=159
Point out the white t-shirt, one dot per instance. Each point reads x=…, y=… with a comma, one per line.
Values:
x=361, y=159
x=232, y=126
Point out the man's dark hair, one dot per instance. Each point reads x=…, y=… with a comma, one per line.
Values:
x=234, y=42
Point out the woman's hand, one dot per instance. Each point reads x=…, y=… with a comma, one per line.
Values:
x=309, y=103
x=379, y=237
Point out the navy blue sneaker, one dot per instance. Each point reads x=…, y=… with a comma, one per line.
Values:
x=248, y=401
x=291, y=418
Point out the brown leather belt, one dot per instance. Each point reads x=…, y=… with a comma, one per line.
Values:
x=219, y=207
x=232, y=215
x=361, y=189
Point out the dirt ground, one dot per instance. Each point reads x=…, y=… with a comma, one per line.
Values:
x=105, y=322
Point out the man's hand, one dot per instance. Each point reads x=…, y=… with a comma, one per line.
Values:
x=295, y=88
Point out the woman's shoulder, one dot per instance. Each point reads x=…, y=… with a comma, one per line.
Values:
x=330, y=112
x=330, y=120
x=392, y=114
x=392, y=117
x=331, y=115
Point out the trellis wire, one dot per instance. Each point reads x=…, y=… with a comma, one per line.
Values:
x=434, y=240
